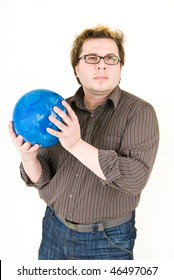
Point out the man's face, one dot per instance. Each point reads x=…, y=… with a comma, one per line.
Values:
x=98, y=78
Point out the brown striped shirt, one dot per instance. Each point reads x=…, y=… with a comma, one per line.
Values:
x=125, y=130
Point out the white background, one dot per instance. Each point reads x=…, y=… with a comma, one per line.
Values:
x=35, y=42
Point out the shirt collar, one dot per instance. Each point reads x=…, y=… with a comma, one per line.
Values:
x=114, y=97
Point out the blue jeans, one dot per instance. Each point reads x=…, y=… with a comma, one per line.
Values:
x=60, y=243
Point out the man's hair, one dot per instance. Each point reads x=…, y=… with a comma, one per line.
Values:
x=99, y=31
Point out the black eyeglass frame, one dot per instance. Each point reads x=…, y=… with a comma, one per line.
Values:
x=100, y=57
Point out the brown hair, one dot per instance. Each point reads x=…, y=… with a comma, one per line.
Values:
x=99, y=31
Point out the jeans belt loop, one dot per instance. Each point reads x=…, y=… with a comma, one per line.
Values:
x=96, y=226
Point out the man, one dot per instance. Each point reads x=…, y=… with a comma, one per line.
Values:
x=92, y=181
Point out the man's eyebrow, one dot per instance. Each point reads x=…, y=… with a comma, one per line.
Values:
x=110, y=54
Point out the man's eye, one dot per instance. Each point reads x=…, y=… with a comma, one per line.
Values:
x=94, y=58
x=110, y=58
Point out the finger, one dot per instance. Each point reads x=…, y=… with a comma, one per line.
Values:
x=70, y=111
x=27, y=147
x=53, y=132
x=17, y=139
x=11, y=130
x=64, y=117
x=56, y=122
x=20, y=144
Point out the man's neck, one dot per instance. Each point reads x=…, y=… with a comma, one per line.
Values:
x=93, y=101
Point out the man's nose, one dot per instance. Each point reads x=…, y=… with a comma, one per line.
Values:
x=101, y=64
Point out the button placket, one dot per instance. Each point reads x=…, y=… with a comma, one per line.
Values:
x=72, y=197
x=90, y=123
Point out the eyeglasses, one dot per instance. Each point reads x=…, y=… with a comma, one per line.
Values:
x=95, y=59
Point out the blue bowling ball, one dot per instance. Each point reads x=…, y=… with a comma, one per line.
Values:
x=30, y=116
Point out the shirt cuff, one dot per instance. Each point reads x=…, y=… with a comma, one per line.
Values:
x=43, y=180
x=109, y=163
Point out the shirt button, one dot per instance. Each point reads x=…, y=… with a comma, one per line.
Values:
x=77, y=175
x=70, y=195
x=68, y=215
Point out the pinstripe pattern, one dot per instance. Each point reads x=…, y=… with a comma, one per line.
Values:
x=125, y=130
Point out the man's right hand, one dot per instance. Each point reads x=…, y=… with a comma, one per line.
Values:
x=27, y=151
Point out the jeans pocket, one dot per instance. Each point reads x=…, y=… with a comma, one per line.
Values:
x=122, y=237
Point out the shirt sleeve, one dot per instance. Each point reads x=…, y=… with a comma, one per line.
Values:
x=129, y=168
x=46, y=171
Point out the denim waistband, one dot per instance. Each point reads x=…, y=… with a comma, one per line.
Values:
x=100, y=226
